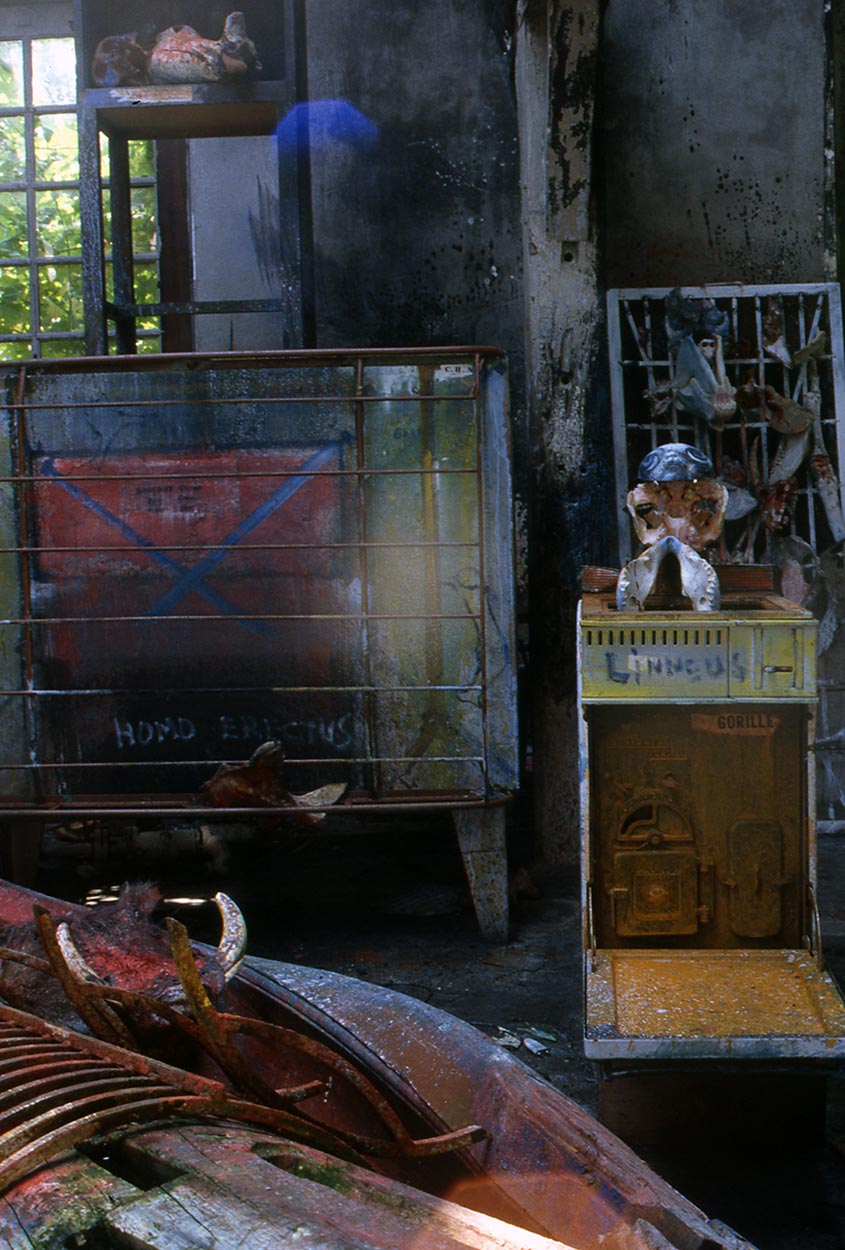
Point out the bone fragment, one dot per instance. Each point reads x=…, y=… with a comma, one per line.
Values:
x=80, y=969
x=231, y=949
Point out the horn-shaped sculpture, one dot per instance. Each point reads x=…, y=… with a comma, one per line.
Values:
x=232, y=946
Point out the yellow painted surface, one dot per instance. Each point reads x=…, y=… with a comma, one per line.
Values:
x=712, y=994
x=768, y=653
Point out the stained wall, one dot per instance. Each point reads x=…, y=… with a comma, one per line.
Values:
x=713, y=134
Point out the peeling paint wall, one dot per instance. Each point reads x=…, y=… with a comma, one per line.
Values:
x=702, y=156
x=571, y=515
x=714, y=142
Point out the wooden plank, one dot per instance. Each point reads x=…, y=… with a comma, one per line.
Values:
x=52, y=1204
x=200, y=1214
x=732, y=577
x=295, y=1192
x=158, y=1220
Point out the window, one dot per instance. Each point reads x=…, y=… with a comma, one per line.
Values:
x=41, y=309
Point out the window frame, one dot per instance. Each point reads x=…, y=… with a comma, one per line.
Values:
x=25, y=27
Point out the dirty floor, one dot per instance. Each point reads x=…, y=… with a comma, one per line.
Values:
x=390, y=906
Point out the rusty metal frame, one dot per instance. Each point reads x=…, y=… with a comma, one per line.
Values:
x=490, y=546
x=638, y=358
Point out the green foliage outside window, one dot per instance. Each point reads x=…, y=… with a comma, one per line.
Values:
x=57, y=244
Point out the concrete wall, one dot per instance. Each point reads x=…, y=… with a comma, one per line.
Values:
x=714, y=141
x=416, y=211
x=571, y=515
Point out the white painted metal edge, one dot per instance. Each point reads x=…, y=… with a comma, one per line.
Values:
x=620, y=430
x=764, y=1047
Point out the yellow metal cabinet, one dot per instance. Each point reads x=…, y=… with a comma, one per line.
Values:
x=700, y=925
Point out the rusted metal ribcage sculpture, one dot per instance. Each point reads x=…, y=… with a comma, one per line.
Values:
x=60, y=1088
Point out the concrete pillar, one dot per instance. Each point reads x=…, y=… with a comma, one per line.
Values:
x=557, y=55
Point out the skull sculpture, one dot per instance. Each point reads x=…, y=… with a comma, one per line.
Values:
x=675, y=508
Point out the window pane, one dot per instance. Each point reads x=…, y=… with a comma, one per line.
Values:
x=12, y=162
x=144, y=237
x=141, y=158
x=56, y=150
x=15, y=351
x=149, y=345
x=146, y=287
x=106, y=200
x=53, y=71
x=13, y=233
x=57, y=217
x=62, y=347
x=60, y=293
x=144, y=234
x=11, y=73
x=14, y=306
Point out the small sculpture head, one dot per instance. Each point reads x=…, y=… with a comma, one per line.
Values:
x=675, y=462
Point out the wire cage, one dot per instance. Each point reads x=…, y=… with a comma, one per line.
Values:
x=762, y=465
x=202, y=553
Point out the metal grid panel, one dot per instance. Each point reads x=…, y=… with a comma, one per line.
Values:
x=640, y=359
x=198, y=556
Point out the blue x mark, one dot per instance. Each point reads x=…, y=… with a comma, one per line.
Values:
x=192, y=578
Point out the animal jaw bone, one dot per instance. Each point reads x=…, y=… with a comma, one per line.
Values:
x=699, y=580
x=724, y=395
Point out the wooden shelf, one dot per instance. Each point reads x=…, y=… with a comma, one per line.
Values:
x=189, y=111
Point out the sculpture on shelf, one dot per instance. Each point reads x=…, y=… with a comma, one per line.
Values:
x=178, y=54
x=181, y=55
x=120, y=61
x=676, y=509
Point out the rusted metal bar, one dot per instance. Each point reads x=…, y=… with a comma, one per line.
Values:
x=35, y=1099
x=216, y=1036
x=98, y=1016
x=61, y=807
x=24, y=503
x=219, y=1031
x=234, y=475
x=482, y=617
x=412, y=546
x=373, y=771
x=222, y=402
x=281, y=356
x=128, y=690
